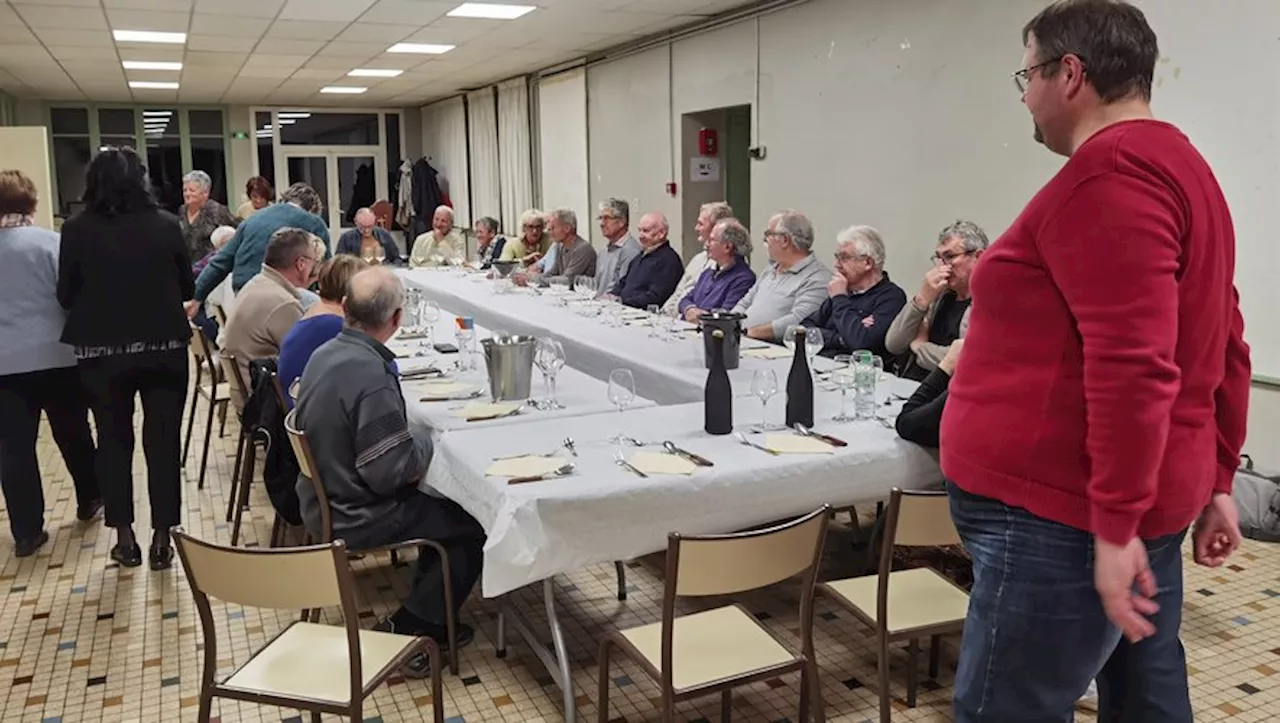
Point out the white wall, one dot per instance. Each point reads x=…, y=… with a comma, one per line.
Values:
x=26, y=149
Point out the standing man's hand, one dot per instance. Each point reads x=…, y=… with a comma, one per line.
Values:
x=191, y=307
x=1126, y=585
x=1217, y=533
x=935, y=282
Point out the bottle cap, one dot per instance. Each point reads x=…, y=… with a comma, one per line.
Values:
x=717, y=334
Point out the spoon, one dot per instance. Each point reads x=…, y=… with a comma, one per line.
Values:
x=563, y=470
x=622, y=462
x=743, y=438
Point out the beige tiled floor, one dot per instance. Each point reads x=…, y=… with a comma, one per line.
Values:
x=81, y=640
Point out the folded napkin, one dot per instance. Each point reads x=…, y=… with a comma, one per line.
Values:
x=478, y=411
x=796, y=444
x=529, y=466
x=442, y=389
x=769, y=352
x=406, y=351
x=659, y=463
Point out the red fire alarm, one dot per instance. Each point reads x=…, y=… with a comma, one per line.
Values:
x=708, y=142
x=671, y=188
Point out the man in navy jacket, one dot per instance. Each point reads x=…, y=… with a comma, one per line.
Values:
x=862, y=302
x=652, y=277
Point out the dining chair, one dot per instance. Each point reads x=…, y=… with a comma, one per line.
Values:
x=217, y=392
x=907, y=604
x=246, y=451
x=309, y=666
x=717, y=650
x=307, y=466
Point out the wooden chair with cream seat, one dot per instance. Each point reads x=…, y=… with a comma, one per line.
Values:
x=907, y=604
x=309, y=666
x=717, y=650
x=307, y=466
x=246, y=451
x=217, y=392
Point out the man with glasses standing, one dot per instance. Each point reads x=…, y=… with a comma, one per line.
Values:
x=938, y=313
x=1099, y=408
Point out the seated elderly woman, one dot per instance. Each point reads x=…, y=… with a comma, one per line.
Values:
x=442, y=244
x=727, y=277
x=260, y=193
x=321, y=322
x=220, y=236
x=533, y=242
x=921, y=417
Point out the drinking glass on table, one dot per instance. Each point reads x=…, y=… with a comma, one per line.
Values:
x=465, y=339
x=655, y=320
x=764, y=384
x=789, y=337
x=428, y=315
x=844, y=377
x=867, y=369
x=548, y=354
x=813, y=343
x=379, y=255
x=560, y=286
x=622, y=392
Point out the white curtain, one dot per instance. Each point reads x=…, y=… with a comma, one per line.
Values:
x=482, y=121
x=562, y=143
x=444, y=141
x=515, y=167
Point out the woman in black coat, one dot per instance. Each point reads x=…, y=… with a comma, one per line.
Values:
x=123, y=275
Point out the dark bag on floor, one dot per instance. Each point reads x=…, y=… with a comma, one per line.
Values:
x=1257, y=497
x=265, y=415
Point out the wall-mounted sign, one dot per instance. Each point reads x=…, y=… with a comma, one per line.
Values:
x=704, y=168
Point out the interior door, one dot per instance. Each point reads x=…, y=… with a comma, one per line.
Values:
x=314, y=171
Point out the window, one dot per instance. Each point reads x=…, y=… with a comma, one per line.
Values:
x=116, y=127
x=69, y=121
x=163, y=132
x=72, y=149
x=206, y=122
x=266, y=149
x=329, y=129
x=209, y=150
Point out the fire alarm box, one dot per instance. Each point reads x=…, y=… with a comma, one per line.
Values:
x=708, y=142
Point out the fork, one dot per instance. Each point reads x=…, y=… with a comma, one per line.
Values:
x=622, y=462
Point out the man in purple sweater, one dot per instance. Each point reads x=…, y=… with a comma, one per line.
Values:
x=730, y=278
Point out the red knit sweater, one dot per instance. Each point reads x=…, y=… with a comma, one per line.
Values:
x=1104, y=381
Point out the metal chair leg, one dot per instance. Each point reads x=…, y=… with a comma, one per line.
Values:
x=622, y=579
x=935, y=653
x=913, y=662
x=243, y=497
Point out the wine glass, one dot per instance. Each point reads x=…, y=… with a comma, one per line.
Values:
x=548, y=354
x=764, y=384
x=655, y=320
x=428, y=315
x=844, y=376
x=379, y=255
x=560, y=286
x=789, y=337
x=367, y=253
x=622, y=392
x=813, y=343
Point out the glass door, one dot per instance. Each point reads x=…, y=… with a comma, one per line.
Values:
x=347, y=180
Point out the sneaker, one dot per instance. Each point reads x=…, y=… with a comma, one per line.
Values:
x=28, y=547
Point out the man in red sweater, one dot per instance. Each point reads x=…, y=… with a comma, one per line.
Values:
x=1099, y=409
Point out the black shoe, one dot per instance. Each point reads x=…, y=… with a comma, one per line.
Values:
x=161, y=556
x=130, y=556
x=86, y=511
x=28, y=547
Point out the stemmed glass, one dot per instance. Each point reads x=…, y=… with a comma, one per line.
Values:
x=844, y=376
x=764, y=384
x=813, y=343
x=622, y=392
x=428, y=315
x=379, y=255
x=549, y=356
x=655, y=320
x=789, y=337
x=560, y=285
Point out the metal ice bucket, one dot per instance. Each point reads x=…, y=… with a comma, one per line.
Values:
x=731, y=325
x=509, y=360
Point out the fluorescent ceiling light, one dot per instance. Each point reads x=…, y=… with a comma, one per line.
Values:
x=286, y=114
x=287, y=121
x=374, y=73
x=150, y=65
x=421, y=48
x=159, y=114
x=148, y=36
x=491, y=11
x=343, y=89
x=152, y=85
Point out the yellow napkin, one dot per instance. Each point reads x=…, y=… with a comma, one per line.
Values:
x=530, y=466
x=770, y=352
x=442, y=389
x=796, y=444
x=477, y=411
x=658, y=463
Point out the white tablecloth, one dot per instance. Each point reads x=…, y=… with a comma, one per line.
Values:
x=603, y=512
x=666, y=372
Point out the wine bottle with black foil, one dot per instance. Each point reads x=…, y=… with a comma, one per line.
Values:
x=718, y=398
x=800, y=386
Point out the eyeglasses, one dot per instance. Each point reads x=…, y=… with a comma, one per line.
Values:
x=1022, y=78
x=841, y=258
x=532, y=226
x=774, y=234
x=948, y=259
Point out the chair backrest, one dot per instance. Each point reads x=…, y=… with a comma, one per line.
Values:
x=231, y=370
x=727, y=564
x=219, y=314
x=276, y=578
x=917, y=518
x=307, y=466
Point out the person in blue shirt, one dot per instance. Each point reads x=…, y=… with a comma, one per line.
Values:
x=321, y=323
x=727, y=278
x=652, y=277
x=862, y=302
x=367, y=233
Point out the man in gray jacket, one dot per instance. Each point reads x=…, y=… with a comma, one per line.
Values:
x=371, y=462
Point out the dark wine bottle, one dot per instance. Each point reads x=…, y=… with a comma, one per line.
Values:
x=800, y=386
x=718, y=398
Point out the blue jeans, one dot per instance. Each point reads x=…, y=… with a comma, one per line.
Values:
x=1036, y=633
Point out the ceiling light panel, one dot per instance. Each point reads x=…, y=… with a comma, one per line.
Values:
x=420, y=48
x=148, y=36
x=152, y=85
x=374, y=73
x=490, y=11
x=343, y=89
x=150, y=65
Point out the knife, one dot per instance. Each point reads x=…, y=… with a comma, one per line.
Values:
x=696, y=459
x=833, y=441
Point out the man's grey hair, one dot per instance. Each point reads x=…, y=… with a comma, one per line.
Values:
x=198, y=177
x=489, y=222
x=618, y=207
x=733, y=232
x=287, y=245
x=797, y=227
x=716, y=211
x=974, y=238
x=866, y=243
x=565, y=216
x=305, y=197
x=371, y=301
x=443, y=208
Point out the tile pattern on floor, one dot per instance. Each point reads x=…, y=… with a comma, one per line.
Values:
x=83, y=640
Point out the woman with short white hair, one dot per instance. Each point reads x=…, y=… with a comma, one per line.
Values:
x=200, y=215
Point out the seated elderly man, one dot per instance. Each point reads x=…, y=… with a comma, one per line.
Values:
x=727, y=278
x=371, y=462
x=862, y=302
x=441, y=244
x=794, y=285
x=367, y=239
x=620, y=248
x=575, y=256
x=708, y=216
x=652, y=276
x=269, y=305
x=490, y=244
x=939, y=312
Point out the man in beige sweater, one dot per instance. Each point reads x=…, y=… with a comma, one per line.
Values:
x=268, y=306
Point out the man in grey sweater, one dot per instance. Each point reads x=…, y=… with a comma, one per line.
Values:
x=371, y=462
